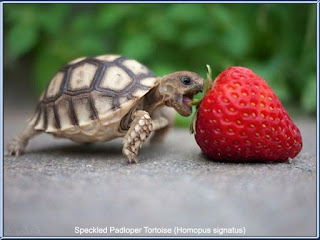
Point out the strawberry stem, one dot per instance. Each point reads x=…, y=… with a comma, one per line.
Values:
x=207, y=86
x=209, y=81
x=196, y=102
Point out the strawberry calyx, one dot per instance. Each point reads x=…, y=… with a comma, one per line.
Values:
x=207, y=86
x=196, y=102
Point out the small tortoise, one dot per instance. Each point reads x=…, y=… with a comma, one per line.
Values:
x=96, y=99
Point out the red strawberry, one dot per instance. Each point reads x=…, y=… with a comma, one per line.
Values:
x=241, y=119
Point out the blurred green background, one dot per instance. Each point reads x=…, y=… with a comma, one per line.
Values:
x=277, y=41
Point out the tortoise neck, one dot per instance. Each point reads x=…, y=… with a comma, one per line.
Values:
x=154, y=99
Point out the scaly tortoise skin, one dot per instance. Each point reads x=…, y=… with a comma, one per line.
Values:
x=96, y=99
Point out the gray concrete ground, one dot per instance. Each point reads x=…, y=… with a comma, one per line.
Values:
x=59, y=185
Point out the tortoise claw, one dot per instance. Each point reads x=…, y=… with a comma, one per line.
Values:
x=15, y=148
x=131, y=156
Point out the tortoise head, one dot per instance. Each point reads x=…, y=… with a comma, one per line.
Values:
x=178, y=89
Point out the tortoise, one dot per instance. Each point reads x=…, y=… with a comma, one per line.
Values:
x=96, y=99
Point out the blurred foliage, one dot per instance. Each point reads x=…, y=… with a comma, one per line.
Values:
x=277, y=41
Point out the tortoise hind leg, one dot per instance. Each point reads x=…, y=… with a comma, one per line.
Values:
x=19, y=143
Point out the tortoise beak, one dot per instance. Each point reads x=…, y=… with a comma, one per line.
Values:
x=187, y=99
x=199, y=85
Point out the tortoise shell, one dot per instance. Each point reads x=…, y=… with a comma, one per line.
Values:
x=89, y=94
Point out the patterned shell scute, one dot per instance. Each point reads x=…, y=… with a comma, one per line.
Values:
x=82, y=77
x=90, y=89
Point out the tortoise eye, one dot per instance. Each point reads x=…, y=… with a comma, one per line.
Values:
x=185, y=80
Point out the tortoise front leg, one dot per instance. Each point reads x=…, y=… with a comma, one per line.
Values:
x=137, y=134
x=140, y=129
x=162, y=123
